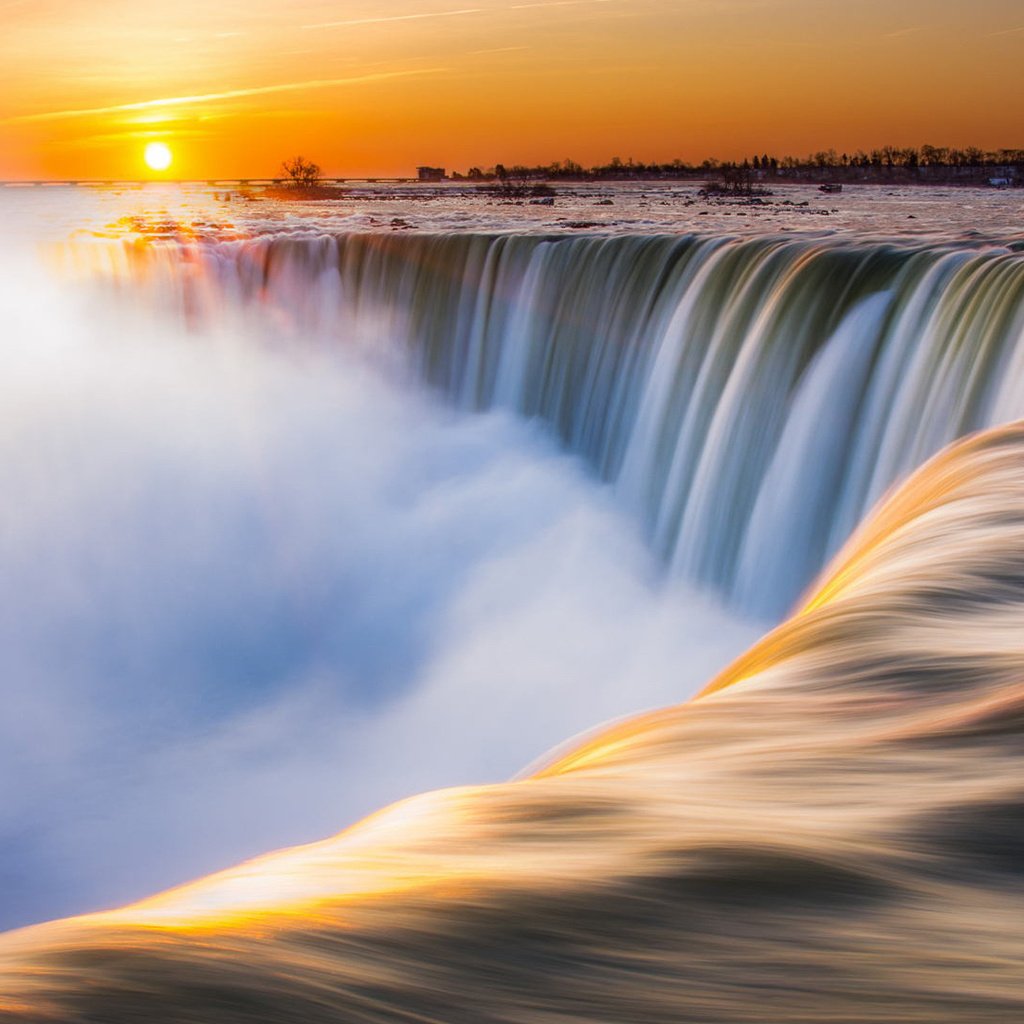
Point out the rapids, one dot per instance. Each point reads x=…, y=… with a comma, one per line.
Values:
x=832, y=831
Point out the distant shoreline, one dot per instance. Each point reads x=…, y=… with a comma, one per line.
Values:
x=924, y=165
x=336, y=186
x=980, y=180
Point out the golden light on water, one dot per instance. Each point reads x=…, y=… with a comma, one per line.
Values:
x=158, y=156
x=816, y=813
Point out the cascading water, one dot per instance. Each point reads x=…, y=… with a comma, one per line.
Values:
x=277, y=586
x=832, y=831
x=749, y=400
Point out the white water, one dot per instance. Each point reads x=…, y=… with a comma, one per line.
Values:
x=257, y=582
x=250, y=593
x=749, y=400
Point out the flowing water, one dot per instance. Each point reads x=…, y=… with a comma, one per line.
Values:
x=750, y=400
x=257, y=564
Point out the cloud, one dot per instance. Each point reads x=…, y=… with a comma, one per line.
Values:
x=900, y=33
x=457, y=13
x=430, y=15
x=558, y=3
x=230, y=94
x=498, y=49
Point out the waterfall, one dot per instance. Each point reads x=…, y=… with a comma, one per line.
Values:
x=749, y=400
x=831, y=831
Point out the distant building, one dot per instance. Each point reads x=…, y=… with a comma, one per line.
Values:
x=430, y=173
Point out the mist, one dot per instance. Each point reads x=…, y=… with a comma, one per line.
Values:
x=251, y=590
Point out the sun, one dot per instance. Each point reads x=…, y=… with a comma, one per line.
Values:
x=158, y=156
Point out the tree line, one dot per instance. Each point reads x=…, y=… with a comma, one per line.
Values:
x=924, y=163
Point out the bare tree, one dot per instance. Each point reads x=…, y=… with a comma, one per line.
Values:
x=301, y=171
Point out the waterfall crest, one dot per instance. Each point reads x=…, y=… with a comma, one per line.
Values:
x=750, y=400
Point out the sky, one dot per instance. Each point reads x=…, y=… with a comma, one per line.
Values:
x=381, y=86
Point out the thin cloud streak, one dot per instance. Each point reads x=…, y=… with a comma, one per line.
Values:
x=900, y=33
x=458, y=13
x=498, y=49
x=352, y=22
x=213, y=97
x=559, y=3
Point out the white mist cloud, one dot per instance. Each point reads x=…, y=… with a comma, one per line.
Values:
x=248, y=595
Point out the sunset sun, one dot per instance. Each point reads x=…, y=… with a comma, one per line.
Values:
x=158, y=156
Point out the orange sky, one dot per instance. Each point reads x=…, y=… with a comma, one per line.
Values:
x=379, y=86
